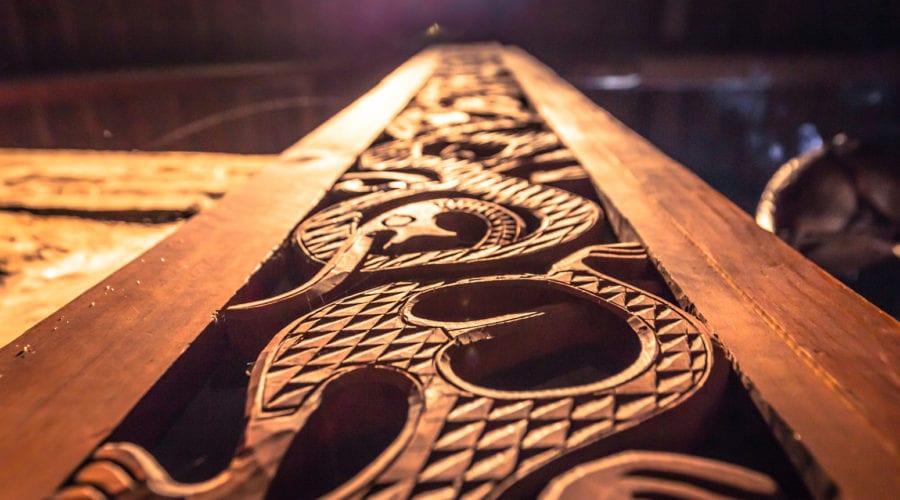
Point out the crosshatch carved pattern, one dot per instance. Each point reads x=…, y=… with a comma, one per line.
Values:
x=484, y=439
x=443, y=263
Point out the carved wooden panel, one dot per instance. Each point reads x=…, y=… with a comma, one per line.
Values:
x=459, y=316
x=448, y=295
x=657, y=474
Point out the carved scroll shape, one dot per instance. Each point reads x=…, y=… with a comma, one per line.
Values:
x=472, y=221
x=473, y=433
x=489, y=148
x=645, y=474
x=464, y=407
x=279, y=457
x=437, y=198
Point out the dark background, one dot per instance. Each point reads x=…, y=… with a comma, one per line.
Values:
x=731, y=89
x=48, y=36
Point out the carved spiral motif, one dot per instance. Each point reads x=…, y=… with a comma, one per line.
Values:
x=561, y=217
x=657, y=474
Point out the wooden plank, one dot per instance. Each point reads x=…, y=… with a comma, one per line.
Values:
x=821, y=361
x=108, y=182
x=119, y=185
x=46, y=261
x=93, y=360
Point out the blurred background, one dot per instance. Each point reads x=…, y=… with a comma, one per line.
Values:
x=731, y=89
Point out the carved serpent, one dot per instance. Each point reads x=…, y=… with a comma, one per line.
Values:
x=436, y=203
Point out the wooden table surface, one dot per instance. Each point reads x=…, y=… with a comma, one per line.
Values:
x=69, y=218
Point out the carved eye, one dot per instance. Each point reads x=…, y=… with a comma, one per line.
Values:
x=532, y=338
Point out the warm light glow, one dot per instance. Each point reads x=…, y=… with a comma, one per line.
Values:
x=433, y=30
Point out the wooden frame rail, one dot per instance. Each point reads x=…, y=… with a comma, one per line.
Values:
x=822, y=361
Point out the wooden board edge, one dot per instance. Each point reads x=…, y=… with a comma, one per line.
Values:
x=832, y=422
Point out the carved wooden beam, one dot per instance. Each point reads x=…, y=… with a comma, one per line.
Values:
x=462, y=285
x=98, y=356
x=822, y=362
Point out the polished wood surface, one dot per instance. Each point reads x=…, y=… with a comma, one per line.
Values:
x=465, y=309
x=439, y=257
x=821, y=360
x=135, y=186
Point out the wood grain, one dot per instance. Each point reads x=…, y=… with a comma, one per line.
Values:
x=108, y=198
x=821, y=361
x=119, y=185
x=46, y=262
x=94, y=359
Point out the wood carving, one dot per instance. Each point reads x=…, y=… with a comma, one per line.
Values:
x=453, y=356
x=436, y=202
x=656, y=474
x=464, y=328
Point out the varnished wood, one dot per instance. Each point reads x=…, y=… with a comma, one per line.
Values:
x=137, y=187
x=407, y=325
x=117, y=339
x=386, y=311
x=639, y=474
x=373, y=317
x=820, y=360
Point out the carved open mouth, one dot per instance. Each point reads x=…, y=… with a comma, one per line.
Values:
x=444, y=224
x=531, y=338
x=445, y=231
